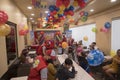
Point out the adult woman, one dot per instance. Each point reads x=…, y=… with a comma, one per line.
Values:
x=113, y=68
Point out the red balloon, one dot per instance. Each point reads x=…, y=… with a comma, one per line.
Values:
x=58, y=3
x=54, y=12
x=81, y=3
x=41, y=32
x=71, y=13
x=65, y=13
x=82, y=13
x=66, y=2
x=3, y=17
x=22, y=32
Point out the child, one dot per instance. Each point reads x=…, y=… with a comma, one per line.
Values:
x=83, y=62
x=79, y=50
x=63, y=72
x=60, y=50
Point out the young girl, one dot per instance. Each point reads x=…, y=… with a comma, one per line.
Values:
x=79, y=50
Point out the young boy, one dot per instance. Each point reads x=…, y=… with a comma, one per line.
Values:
x=63, y=72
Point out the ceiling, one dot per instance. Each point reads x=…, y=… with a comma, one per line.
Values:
x=97, y=5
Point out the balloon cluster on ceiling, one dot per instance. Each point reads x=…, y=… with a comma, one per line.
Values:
x=64, y=9
x=39, y=4
x=4, y=28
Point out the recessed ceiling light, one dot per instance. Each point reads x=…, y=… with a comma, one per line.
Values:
x=31, y=18
x=113, y=0
x=46, y=11
x=33, y=21
x=92, y=10
x=29, y=7
x=32, y=14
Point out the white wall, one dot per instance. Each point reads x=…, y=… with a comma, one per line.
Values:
x=115, y=35
x=85, y=30
x=17, y=17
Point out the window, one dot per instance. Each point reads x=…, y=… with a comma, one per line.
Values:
x=85, y=30
x=115, y=37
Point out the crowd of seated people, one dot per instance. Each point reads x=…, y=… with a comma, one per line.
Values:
x=43, y=65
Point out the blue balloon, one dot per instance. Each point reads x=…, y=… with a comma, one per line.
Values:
x=51, y=7
x=48, y=14
x=95, y=58
x=85, y=1
x=60, y=15
x=57, y=9
x=85, y=13
x=71, y=8
x=107, y=25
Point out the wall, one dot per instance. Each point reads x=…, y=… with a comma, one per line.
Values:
x=17, y=17
x=103, y=40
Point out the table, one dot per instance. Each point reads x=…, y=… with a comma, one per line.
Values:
x=81, y=73
x=32, y=52
x=107, y=58
x=20, y=78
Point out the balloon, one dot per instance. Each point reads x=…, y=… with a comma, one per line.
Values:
x=112, y=53
x=82, y=4
x=3, y=17
x=94, y=29
x=81, y=13
x=66, y=3
x=7, y=29
x=54, y=12
x=85, y=1
x=85, y=13
x=95, y=58
x=58, y=3
x=71, y=8
x=75, y=3
x=101, y=29
x=104, y=30
x=4, y=30
x=64, y=45
x=51, y=8
x=71, y=13
x=62, y=7
x=85, y=38
x=83, y=18
x=60, y=12
x=22, y=32
x=41, y=32
x=107, y=25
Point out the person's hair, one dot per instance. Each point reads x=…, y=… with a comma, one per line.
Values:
x=94, y=43
x=68, y=61
x=118, y=51
x=49, y=61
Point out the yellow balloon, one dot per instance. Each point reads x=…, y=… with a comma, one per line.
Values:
x=64, y=45
x=60, y=12
x=26, y=27
x=4, y=30
x=112, y=53
x=75, y=3
x=94, y=29
x=62, y=7
x=68, y=16
x=56, y=16
x=85, y=38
